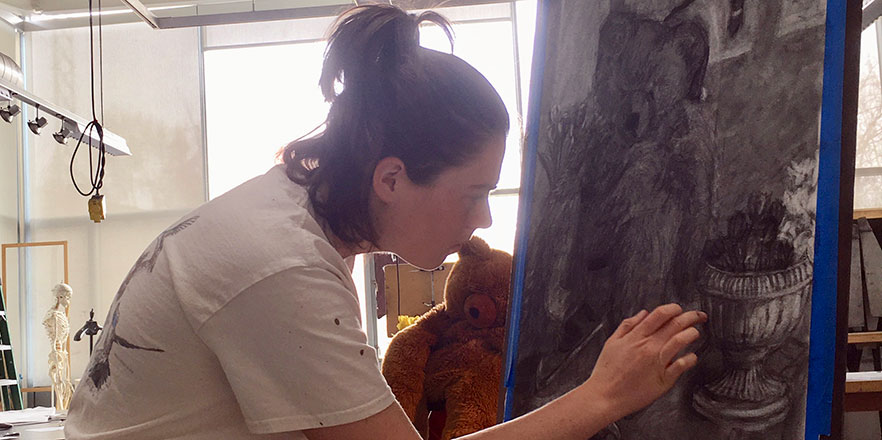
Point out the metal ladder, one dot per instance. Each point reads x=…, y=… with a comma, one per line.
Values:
x=9, y=386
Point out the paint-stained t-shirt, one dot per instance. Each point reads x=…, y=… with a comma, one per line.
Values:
x=239, y=320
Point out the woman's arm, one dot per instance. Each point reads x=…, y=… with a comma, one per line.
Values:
x=636, y=367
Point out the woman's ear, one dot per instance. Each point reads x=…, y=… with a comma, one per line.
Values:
x=389, y=175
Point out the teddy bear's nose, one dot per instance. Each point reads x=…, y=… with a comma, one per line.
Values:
x=480, y=310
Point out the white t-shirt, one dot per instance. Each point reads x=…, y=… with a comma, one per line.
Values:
x=239, y=320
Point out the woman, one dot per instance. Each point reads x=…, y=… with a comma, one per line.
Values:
x=242, y=320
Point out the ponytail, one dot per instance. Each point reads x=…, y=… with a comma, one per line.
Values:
x=369, y=43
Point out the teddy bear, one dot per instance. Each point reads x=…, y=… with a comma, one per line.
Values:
x=450, y=359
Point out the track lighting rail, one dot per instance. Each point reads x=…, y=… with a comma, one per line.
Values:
x=71, y=125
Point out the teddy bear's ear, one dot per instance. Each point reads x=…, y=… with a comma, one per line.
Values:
x=475, y=247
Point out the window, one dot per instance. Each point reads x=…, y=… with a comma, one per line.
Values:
x=280, y=63
x=868, y=160
x=283, y=102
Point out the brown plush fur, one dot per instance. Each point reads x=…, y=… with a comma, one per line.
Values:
x=451, y=357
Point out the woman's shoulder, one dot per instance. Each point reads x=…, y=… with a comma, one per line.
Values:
x=269, y=205
x=257, y=229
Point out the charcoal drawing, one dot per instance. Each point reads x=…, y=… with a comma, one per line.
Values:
x=677, y=161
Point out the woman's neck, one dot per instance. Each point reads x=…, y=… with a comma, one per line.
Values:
x=345, y=249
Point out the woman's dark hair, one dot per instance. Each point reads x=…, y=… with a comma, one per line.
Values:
x=430, y=109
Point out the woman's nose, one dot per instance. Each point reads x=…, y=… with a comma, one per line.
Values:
x=483, y=218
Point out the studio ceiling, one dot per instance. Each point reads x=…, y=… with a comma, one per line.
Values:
x=36, y=15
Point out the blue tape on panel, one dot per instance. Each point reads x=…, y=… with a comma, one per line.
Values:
x=520, y=258
x=823, y=331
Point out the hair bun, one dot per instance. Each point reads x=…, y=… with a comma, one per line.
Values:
x=369, y=44
x=438, y=19
x=366, y=44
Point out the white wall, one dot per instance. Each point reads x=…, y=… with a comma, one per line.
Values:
x=9, y=147
x=9, y=159
x=152, y=98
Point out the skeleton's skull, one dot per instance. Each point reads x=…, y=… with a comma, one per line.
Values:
x=62, y=294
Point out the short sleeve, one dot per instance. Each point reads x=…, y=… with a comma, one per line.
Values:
x=294, y=353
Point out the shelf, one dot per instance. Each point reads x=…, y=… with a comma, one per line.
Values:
x=36, y=389
x=868, y=213
x=863, y=391
x=864, y=337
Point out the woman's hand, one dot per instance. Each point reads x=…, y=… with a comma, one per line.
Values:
x=638, y=365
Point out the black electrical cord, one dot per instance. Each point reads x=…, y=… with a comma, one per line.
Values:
x=96, y=179
x=101, y=60
x=96, y=172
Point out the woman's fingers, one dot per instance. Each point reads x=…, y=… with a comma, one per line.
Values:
x=635, y=366
x=677, y=343
x=679, y=323
x=658, y=318
x=678, y=367
x=627, y=325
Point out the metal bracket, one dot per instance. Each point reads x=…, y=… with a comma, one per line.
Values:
x=141, y=11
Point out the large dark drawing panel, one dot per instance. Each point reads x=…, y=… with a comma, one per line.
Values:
x=677, y=161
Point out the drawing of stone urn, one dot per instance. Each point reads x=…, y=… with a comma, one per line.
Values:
x=754, y=290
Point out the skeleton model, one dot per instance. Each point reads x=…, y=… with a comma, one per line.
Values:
x=58, y=328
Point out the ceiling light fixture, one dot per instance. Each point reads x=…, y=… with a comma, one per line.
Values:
x=9, y=112
x=61, y=135
x=37, y=123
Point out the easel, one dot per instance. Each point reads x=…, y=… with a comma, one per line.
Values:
x=66, y=280
x=422, y=290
